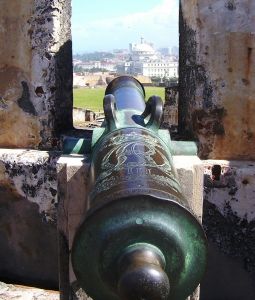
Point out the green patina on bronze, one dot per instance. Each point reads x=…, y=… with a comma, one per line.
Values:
x=139, y=239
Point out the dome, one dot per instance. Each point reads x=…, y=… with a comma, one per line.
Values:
x=142, y=51
x=146, y=48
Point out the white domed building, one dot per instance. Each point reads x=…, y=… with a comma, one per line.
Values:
x=142, y=52
x=144, y=60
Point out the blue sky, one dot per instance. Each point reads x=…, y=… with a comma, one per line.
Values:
x=100, y=25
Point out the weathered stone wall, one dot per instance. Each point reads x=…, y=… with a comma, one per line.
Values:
x=35, y=72
x=28, y=217
x=14, y=292
x=217, y=87
x=35, y=107
x=229, y=222
x=170, y=111
x=217, y=104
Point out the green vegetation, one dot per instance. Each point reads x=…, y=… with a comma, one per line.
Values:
x=89, y=98
x=93, y=98
x=155, y=90
x=80, y=69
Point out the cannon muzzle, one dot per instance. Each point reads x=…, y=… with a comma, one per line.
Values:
x=139, y=239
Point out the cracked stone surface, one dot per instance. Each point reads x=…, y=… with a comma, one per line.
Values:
x=217, y=77
x=18, y=292
x=35, y=73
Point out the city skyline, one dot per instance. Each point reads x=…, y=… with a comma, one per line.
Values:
x=104, y=26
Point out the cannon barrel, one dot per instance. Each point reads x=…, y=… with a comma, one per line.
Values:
x=128, y=94
x=139, y=238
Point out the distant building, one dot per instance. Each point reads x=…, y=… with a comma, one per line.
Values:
x=144, y=60
x=76, y=62
x=159, y=68
x=106, y=65
x=142, y=51
x=163, y=51
x=175, y=51
x=88, y=65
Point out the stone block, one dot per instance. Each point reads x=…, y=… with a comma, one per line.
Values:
x=190, y=172
x=35, y=73
x=229, y=222
x=170, y=110
x=14, y=292
x=28, y=231
x=72, y=196
x=217, y=102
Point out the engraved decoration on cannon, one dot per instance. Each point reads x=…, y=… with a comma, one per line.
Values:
x=139, y=238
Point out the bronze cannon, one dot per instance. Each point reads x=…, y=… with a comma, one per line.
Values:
x=139, y=238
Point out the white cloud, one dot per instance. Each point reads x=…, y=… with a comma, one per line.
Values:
x=156, y=25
